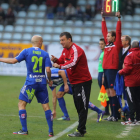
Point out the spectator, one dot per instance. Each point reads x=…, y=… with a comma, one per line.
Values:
x=23, y=5
x=131, y=72
x=88, y=12
x=49, y=12
x=70, y=11
x=60, y=10
x=53, y=4
x=98, y=6
x=13, y=4
x=2, y=16
x=79, y=13
x=129, y=7
x=10, y=17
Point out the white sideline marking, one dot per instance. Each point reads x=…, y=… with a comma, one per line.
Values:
x=71, y=127
x=17, y=115
x=125, y=132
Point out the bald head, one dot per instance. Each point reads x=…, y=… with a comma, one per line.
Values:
x=37, y=41
x=135, y=44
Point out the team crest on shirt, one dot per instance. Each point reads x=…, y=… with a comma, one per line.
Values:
x=63, y=53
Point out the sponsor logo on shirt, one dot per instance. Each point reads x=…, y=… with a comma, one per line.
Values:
x=38, y=80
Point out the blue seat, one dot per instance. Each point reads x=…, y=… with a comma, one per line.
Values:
x=59, y=22
x=47, y=37
x=97, y=32
x=1, y=28
x=134, y=38
x=33, y=7
x=109, y=24
x=9, y=28
x=97, y=24
x=136, y=33
x=77, y=31
x=7, y=36
x=4, y=6
x=0, y=35
x=55, y=38
x=78, y=23
x=137, y=10
x=38, y=29
x=17, y=36
x=98, y=17
x=136, y=18
x=87, y=31
x=86, y=39
x=20, y=21
x=128, y=18
x=95, y=39
x=127, y=25
x=48, y=30
x=126, y=32
x=136, y=25
x=58, y=30
x=91, y=2
x=69, y=22
x=77, y=38
x=22, y=14
x=18, y=28
x=27, y=37
x=40, y=14
x=88, y=23
x=68, y=29
x=31, y=15
x=28, y=29
x=83, y=8
x=50, y=22
x=81, y=2
x=40, y=22
x=42, y=7
x=30, y=22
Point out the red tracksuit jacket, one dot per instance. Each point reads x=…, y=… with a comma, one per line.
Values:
x=111, y=51
x=131, y=70
x=75, y=61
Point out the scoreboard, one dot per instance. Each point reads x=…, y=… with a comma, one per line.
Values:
x=110, y=7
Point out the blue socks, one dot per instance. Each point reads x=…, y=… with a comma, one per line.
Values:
x=63, y=106
x=49, y=119
x=115, y=106
x=23, y=120
x=94, y=108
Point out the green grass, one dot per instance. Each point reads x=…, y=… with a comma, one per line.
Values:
x=37, y=125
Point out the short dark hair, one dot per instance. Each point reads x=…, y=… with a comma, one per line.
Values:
x=113, y=33
x=67, y=34
x=102, y=39
x=128, y=38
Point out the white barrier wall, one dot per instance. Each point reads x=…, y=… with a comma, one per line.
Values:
x=19, y=69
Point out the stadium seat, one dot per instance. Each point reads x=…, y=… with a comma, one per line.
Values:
x=50, y=22
x=136, y=18
x=59, y=22
x=78, y=23
x=20, y=21
x=28, y=29
x=58, y=30
x=95, y=39
x=31, y=15
x=15, y=41
x=18, y=29
x=40, y=15
x=86, y=39
x=127, y=25
x=134, y=38
x=33, y=7
x=7, y=35
x=77, y=38
x=1, y=28
x=97, y=32
x=55, y=38
x=26, y=36
x=68, y=29
x=136, y=25
x=91, y=2
x=26, y=42
x=0, y=36
x=30, y=22
x=69, y=22
x=77, y=31
x=9, y=28
x=97, y=24
x=88, y=23
x=6, y=41
x=83, y=8
x=126, y=32
x=137, y=10
x=38, y=29
x=5, y=6
x=81, y=2
x=17, y=36
x=40, y=22
x=109, y=24
x=136, y=33
x=22, y=14
x=47, y=37
x=128, y=18
x=48, y=30
x=98, y=17
x=42, y=7
x=87, y=31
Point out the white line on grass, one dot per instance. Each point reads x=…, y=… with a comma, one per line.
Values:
x=71, y=127
x=17, y=115
x=125, y=132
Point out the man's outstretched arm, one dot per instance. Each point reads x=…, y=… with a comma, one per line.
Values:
x=9, y=60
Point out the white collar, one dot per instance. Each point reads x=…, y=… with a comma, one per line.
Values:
x=124, y=50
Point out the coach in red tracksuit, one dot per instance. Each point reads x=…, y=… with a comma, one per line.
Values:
x=131, y=72
x=74, y=60
x=110, y=63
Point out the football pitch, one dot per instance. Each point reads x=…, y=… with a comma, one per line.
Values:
x=37, y=126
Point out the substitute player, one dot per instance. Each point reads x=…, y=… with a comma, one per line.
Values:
x=60, y=77
x=37, y=61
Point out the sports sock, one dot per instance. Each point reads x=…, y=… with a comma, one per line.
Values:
x=23, y=119
x=63, y=106
x=49, y=119
x=111, y=107
x=94, y=108
x=107, y=108
x=115, y=106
